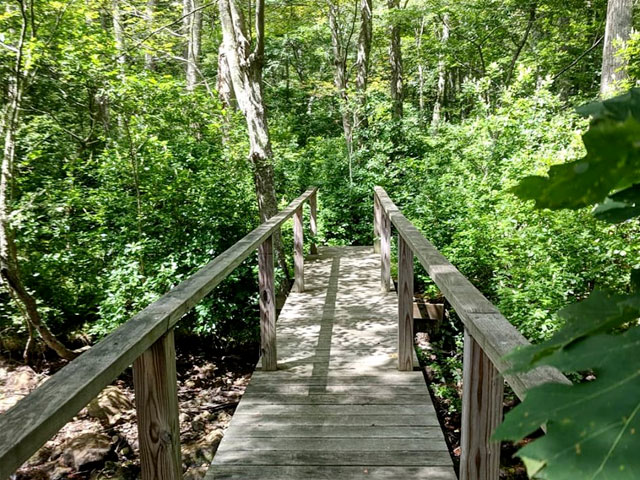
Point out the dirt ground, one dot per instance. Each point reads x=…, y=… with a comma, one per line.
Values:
x=101, y=441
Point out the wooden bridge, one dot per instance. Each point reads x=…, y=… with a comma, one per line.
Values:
x=335, y=394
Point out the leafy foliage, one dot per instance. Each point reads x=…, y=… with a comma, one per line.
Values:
x=591, y=426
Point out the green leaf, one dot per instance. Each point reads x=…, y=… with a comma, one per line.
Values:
x=620, y=206
x=612, y=162
x=617, y=108
x=599, y=313
x=593, y=428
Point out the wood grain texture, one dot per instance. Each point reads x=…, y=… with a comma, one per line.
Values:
x=482, y=392
x=483, y=320
x=313, y=222
x=268, y=345
x=312, y=472
x=32, y=421
x=298, y=253
x=155, y=382
x=337, y=405
x=322, y=459
x=376, y=224
x=385, y=252
x=405, y=306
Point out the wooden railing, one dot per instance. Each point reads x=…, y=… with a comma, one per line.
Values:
x=488, y=336
x=146, y=341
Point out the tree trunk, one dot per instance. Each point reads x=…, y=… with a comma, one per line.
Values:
x=118, y=34
x=340, y=76
x=514, y=59
x=362, y=61
x=617, y=32
x=419, y=34
x=9, y=264
x=442, y=75
x=149, y=59
x=395, y=59
x=224, y=82
x=245, y=69
x=194, y=35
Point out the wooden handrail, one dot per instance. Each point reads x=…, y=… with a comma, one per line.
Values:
x=489, y=336
x=147, y=340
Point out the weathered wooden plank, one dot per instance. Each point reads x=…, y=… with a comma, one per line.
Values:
x=481, y=413
x=155, y=382
x=298, y=253
x=405, y=306
x=312, y=472
x=380, y=378
x=406, y=458
x=385, y=252
x=376, y=224
x=428, y=419
x=497, y=337
x=313, y=222
x=36, y=418
x=268, y=346
x=324, y=410
x=371, y=431
x=280, y=388
x=337, y=445
x=335, y=399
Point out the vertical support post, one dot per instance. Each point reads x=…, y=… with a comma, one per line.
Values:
x=385, y=251
x=482, y=394
x=405, y=305
x=313, y=206
x=155, y=382
x=268, y=346
x=376, y=224
x=298, y=254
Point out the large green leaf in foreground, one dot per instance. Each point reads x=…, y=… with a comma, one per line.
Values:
x=597, y=314
x=593, y=429
x=612, y=162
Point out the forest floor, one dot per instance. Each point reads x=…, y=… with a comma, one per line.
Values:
x=101, y=441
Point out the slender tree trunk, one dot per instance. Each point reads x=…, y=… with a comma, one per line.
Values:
x=617, y=32
x=442, y=75
x=523, y=42
x=118, y=35
x=224, y=82
x=362, y=61
x=149, y=12
x=9, y=264
x=194, y=35
x=245, y=69
x=420, y=66
x=395, y=59
x=340, y=77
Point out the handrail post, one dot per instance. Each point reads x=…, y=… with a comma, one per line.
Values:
x=268, y=348
x=156, y=394
x=298, y=254
x=376, y=223
x=482, y=396
x=405, y=305
x=385, y=251
x=313, y=221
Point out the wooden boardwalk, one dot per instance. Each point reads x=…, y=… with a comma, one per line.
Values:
x=337, y=408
